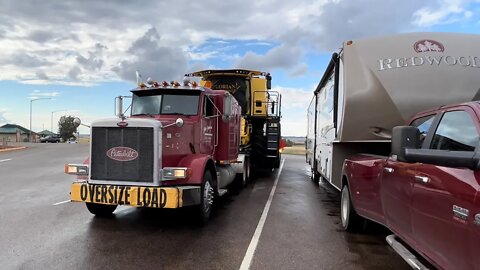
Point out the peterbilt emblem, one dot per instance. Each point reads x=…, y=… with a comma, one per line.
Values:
x=428, y=45
x=122, y=153
x=122, y=124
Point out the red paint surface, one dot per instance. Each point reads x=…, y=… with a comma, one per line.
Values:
x=422, y=213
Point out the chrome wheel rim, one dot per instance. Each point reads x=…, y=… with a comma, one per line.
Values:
x=345, y=206
x=207, y=196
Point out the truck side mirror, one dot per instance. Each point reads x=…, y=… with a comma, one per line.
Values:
x=269, y=81
x=227, y=106
x=404, y=137
x=179, y=122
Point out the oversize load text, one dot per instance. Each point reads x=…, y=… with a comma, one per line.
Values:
x=124, y=195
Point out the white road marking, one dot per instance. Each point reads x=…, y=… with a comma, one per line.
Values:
x=3, y=160
x=58, y=203
x=247, y=260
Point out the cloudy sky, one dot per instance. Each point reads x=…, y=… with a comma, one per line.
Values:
x=81, y=54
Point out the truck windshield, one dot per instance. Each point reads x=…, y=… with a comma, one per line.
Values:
x=165, y=104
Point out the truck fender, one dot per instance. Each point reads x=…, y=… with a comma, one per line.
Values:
x=344, y=175
x=198, y=164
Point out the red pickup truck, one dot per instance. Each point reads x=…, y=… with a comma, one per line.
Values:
x=427, y=191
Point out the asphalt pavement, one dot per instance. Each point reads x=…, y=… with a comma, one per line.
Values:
x=40, y=229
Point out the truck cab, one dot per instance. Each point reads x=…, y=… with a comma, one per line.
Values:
x=174, y=150
x=427, y=190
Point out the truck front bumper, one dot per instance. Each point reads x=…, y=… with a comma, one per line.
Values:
x=138, y=196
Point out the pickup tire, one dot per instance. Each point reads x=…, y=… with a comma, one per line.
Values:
x=315, y=177
x=351, y=221
x=207, y=196
x=101, y=210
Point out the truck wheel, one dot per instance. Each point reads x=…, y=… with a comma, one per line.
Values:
x=315, y=177
x=351, y=221
x=101, y=210
x=206, y=199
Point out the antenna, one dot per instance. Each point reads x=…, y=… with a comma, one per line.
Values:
x=139, y=78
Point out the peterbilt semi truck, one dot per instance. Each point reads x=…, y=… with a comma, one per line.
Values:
x=261, y=113
x=421, y=184
x=176, y=149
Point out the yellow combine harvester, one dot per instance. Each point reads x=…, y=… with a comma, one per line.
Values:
x=261, y=112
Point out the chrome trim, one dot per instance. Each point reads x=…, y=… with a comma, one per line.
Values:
x=157, y=155
x=460, y=212
x=477, y=219
x=409, y=258
x=422, y=179
x=389, y=170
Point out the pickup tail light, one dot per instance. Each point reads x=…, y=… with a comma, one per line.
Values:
x=76, y=169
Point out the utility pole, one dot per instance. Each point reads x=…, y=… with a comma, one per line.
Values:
x=31, y=102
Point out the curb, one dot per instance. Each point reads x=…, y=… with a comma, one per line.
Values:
x=12, y=149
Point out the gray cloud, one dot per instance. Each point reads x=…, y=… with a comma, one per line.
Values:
x=26, y=60
x=299, y=70
x=41, y=36
x=62, y=32
x=74, y=73
x=346, y=20
x=42, y=75
x=94, y=60
x=152, y=59
x=281, y=57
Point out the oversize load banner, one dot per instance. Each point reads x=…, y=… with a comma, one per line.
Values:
x=154, y=197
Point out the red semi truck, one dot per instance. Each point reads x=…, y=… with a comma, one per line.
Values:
x=178, y=148
x=427, y=191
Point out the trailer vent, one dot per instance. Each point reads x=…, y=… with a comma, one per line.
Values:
x=106, y=168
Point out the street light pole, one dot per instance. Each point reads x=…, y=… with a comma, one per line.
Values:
x=51, y=119
x=31, y=102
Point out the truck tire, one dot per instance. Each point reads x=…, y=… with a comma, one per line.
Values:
x=101, y=210
x=207, y=195
x=351, y=221
x=246, y=171
x=315, y=177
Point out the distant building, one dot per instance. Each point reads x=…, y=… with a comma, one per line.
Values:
x=15, y=133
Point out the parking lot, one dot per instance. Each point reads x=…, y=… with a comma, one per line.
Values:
x=41, y=229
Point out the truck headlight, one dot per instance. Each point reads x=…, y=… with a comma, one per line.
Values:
x=76, y=169
x=174, y=173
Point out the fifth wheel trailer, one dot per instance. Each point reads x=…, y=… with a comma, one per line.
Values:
x=372, y=85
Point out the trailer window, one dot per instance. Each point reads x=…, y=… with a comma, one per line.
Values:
x=456, y=132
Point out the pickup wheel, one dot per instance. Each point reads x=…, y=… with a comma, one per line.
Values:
x=207, y=195
x=351, y=221
x=101, y=210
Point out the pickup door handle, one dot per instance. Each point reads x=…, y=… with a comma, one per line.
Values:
x=389, y=170
x=422, y=179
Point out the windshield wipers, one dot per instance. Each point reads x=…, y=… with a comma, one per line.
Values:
x=174, y=113
x=141, y=114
